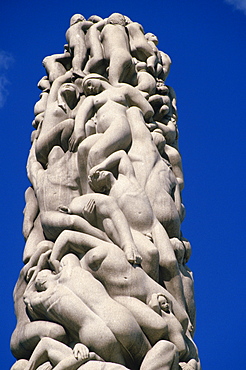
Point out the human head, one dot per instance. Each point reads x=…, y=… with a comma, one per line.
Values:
x=68, y=94
x=95, y=18
x=151, y=37
x=43, y=278
x=100, y=181
x=163, y=302
x=76, y=18
x=116, y=18
x=92, y=84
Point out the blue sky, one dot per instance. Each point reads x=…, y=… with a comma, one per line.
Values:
x=206, y=42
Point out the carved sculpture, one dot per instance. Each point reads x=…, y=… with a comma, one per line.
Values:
x=105, y=283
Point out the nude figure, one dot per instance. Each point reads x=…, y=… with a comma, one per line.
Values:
x=61, y=108
x=135, y=205
x=163, y=356
x=57, y=65
x=110, y=104
x=46, y=297
x=93, y=294
x=75, y=36
x=117, y=50
x=128, y=285
x=28, y=333
x=96, y=62
x=140, y=47
x=53, y=191
x=161, y=61
x=102, y=212
x=185, y=345
x=182, y=250
x=154, y=175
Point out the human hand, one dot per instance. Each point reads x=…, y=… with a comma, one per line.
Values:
x=80, y=351
x=74, y=141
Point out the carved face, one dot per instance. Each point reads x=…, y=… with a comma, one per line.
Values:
x=92, y=87
x=164, y=305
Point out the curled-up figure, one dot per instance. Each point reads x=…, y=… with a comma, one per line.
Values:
x=116, y=47
x=28, y=333
x=57, y=65
x=110, y=103
x=175, y=333
x=75, y=36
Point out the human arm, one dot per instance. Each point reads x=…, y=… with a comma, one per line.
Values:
x=119, y=158
x=135, y=98
x=85, y=112
x=72, y=241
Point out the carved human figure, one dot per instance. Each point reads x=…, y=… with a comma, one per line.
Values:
x=135, y=205
x=102, y=212
x=154, y=175
x=96, y=62
x=57, y=65
x=28, y=333
x=61, y=108
x=182, y=250
x=75, y=36
x=163, y=356
x=110, y=103
x=117, y=50
x=54, y=186
x=93, y=294
x=139, y=45
x=162, y=61
x=171, y=154
x=185, y=345
x=128, y=285
x=46, y=297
